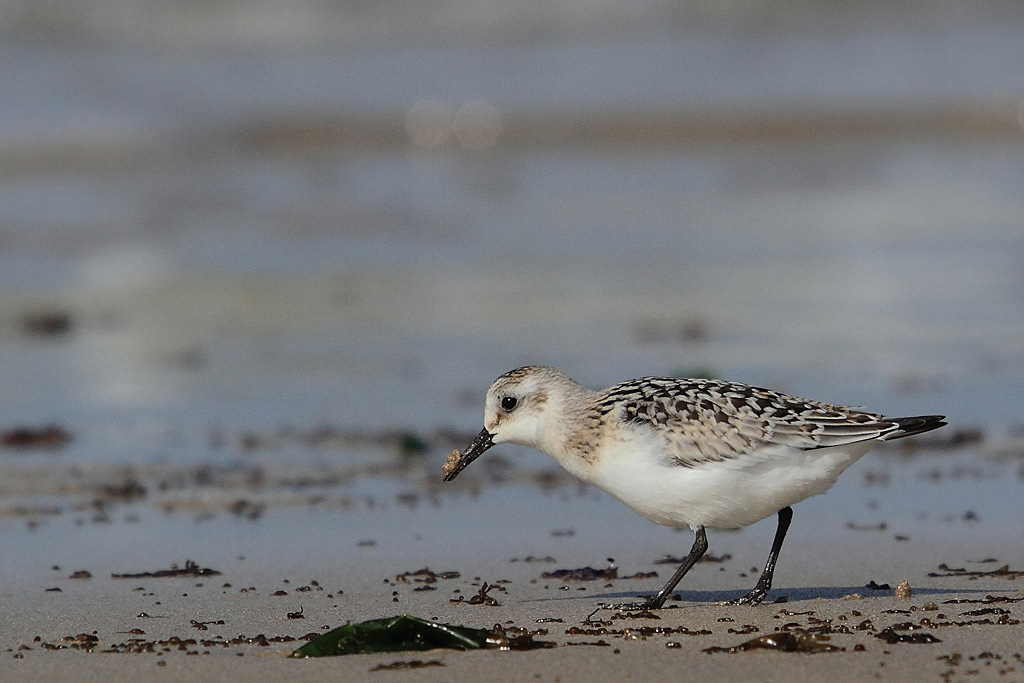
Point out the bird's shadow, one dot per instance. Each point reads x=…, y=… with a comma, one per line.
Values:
x=776, y=596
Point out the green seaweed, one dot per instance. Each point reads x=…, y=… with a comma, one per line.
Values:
x=408, y=633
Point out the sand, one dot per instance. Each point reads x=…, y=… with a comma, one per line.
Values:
x=617, y=648
x=296, y=561
x=215, y=628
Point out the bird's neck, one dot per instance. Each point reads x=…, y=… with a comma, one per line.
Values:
x=567, y=435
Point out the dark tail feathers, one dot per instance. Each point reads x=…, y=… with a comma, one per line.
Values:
x=909, y=426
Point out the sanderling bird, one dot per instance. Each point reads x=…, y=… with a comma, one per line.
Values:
x=694, y=453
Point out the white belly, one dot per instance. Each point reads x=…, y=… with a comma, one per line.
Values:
x=720, y=495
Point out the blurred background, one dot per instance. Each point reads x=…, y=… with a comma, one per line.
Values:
x=224, y=218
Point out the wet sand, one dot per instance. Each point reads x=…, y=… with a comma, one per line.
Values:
x=296, y=560
x=975, y=625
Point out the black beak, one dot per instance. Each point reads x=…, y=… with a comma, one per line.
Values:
x=481, y=443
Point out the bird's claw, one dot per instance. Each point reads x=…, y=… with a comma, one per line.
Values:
x=752, y=598
x=645, y=606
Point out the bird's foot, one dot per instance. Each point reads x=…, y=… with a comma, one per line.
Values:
x=645, y=606
x=752, y=598
x=626, y=606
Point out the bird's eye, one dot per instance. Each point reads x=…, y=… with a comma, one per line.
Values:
x=509, y=403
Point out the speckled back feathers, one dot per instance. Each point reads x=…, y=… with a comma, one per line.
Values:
x=709, y=420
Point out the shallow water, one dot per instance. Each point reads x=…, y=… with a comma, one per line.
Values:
x=897, y=289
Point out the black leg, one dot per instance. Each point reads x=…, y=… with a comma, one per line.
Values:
x=700, y=546
x=764, y=584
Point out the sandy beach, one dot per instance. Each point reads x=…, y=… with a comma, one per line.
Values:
x=204, y=630
x=473, y=554
x=972, y=642
x=259, y=263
